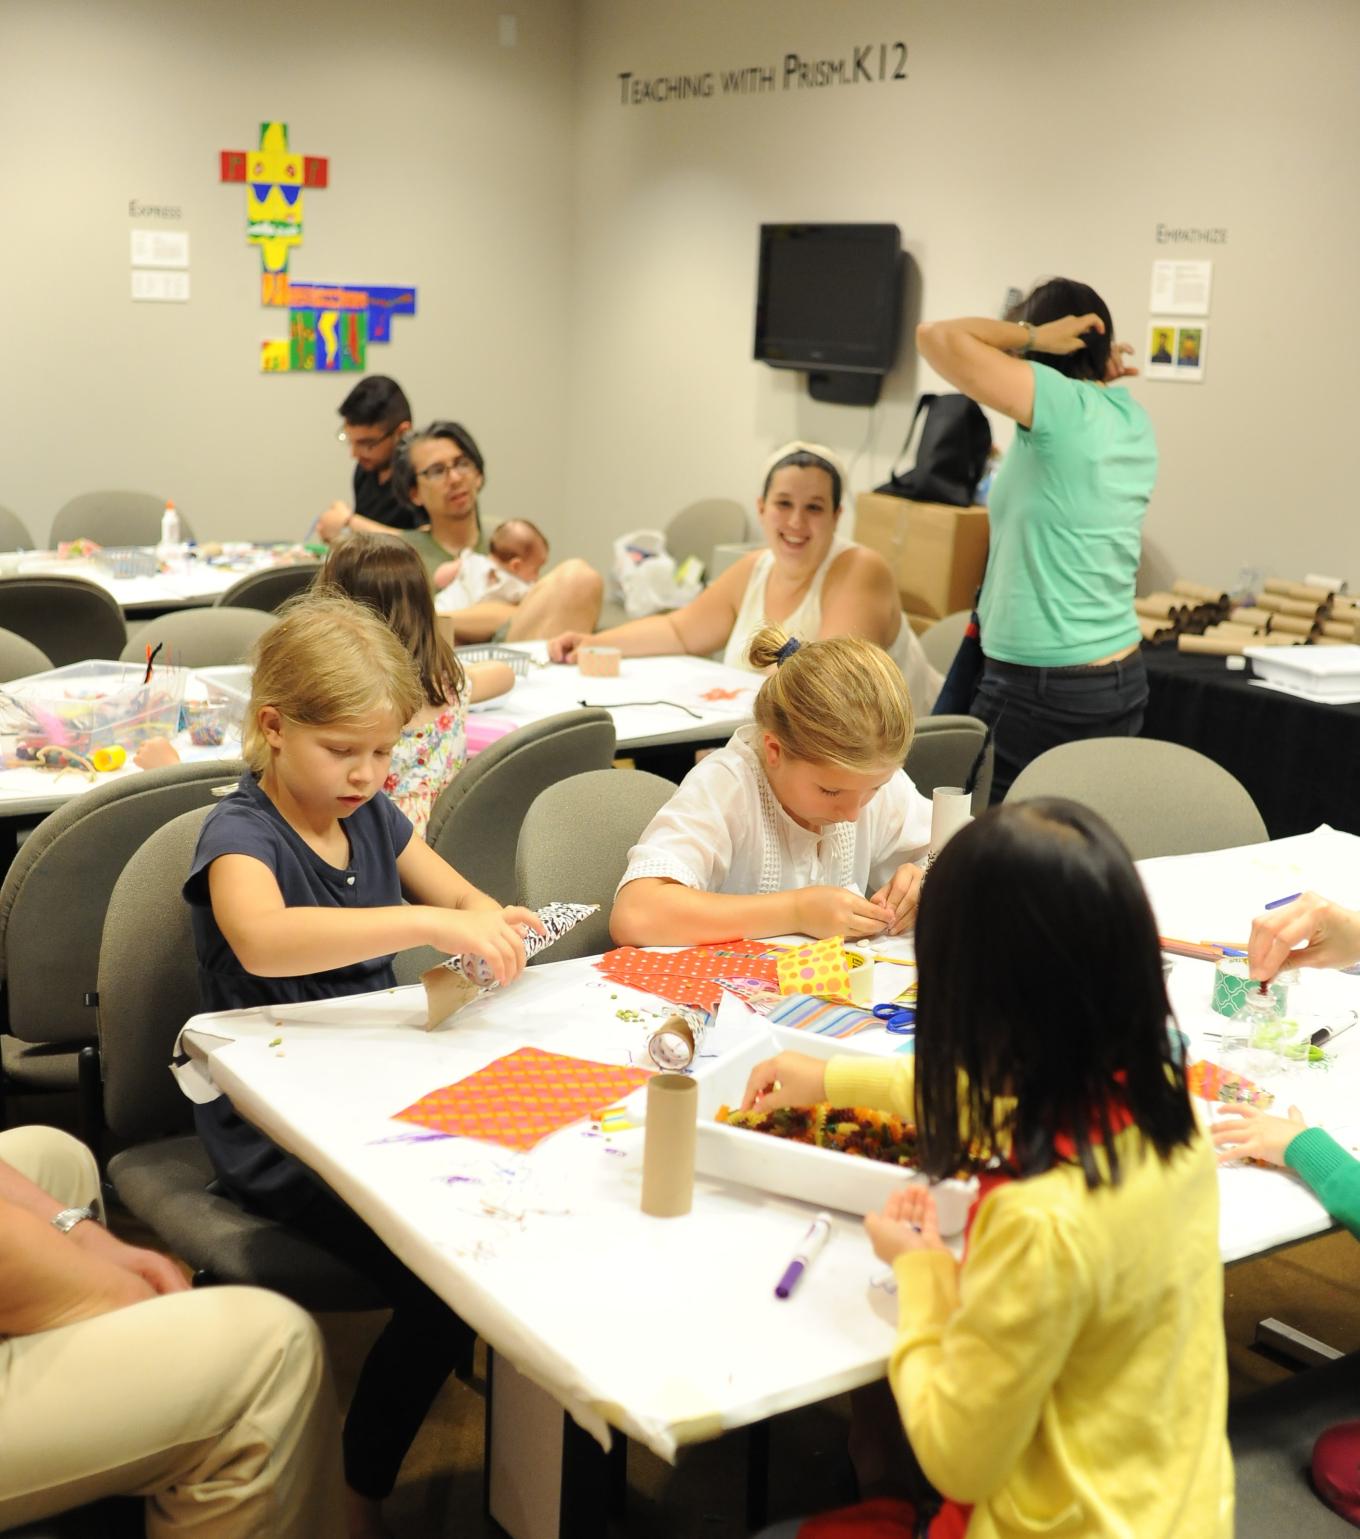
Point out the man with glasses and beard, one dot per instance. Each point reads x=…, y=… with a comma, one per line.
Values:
x=374, y=414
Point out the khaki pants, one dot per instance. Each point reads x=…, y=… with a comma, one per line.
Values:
x=216, y=1404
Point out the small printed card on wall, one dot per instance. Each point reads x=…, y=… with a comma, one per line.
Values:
x=1176, y=350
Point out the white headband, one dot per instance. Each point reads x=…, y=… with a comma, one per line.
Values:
x=798, y=446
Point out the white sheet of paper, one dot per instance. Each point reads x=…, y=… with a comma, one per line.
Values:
x=1181, y=288
x=160, y=248
x=154, y=284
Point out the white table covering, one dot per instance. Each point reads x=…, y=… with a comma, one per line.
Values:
x=199, y=582
x=668, y=1329
x=684, y=682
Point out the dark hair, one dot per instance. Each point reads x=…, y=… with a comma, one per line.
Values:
x=404, y=478
x=804, y=459
x=376, y=402
x=1041, y=1004
x=387, y=575
x=1064, y=296
x=505, y=547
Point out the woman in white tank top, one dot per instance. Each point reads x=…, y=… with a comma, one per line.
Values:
x=808, y=581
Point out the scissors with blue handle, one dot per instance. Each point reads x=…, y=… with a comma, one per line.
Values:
x=896, y=1018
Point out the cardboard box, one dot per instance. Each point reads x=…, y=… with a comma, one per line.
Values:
x=938, y=553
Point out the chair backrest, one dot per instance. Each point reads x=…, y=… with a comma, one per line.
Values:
x=269, y=588
x=54, y=896
x=148, y=984
x=696, y=529
x=70, y=618
x=940, y=641
x=19, y=657
x=1160, y=798
x=475, y=823
x=201, y=637
x=14, y=533
x=113, y=518
x=573, y=847
x=942, y=752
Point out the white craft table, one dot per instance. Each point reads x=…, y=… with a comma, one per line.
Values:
x=200, y=581
x=684, y=699
x=667, y=1330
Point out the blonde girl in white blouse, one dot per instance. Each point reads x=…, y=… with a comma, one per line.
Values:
x=785, y=829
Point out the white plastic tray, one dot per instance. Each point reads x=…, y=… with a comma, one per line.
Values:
x=846, y=1182
x=1323, y=672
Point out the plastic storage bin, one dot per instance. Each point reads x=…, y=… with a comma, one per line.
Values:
x=54, y=718
x=215, y=706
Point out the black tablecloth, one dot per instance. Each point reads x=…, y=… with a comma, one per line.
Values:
x=1299, y=761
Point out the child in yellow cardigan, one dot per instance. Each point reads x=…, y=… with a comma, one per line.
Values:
x=1069, y=1377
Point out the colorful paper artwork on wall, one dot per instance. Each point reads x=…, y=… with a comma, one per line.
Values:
x=329, y=324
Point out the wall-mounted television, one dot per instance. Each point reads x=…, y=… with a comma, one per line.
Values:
x=829, y=300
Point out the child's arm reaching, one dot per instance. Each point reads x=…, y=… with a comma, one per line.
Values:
x=657, y=911
x=272, y=940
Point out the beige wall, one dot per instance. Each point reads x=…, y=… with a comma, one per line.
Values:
x=586, y=270
x=449, y=168
x=1033, y=137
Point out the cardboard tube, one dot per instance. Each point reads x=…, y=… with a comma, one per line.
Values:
x=1289, y=606
x=1214, y=646
x=1158, y=606
x=1230, y=628
x=598, y=662
x=1280, y=585
x=1339, y=629
x=1198, y=591
x=1155, y=631
x=1249, y=614
x=951, y=808
x=1288, y=588
x=1292, y=625
x=668, y=1148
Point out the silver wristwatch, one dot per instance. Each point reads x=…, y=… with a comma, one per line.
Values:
x=68, y=1218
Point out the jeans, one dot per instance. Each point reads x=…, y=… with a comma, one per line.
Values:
x=1031, y=710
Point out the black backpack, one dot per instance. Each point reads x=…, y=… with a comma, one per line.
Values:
x=952, y=454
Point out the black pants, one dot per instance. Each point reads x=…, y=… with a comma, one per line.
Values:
x=1034, y=709
x=420, y=1345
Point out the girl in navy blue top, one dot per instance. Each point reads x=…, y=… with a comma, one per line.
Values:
x=296, y=891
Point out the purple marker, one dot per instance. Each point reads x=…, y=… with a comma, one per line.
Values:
x=1288, y=898
x=819, y=1231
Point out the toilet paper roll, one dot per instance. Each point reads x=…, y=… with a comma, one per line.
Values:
x=951, y=808
x=668, y=1147
x=1198, y=591
x=1214, y=646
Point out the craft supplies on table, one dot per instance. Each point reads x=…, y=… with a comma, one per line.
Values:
x=60, y=718
x=518, y=1100
x=598, y=662
x=518, y=662
x=695, y=975
x=451, y=985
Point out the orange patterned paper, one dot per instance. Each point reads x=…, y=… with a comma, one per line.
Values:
x=690, y=977
x=518, y=1100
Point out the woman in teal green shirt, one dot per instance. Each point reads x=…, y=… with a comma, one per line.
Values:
x=1059, y=633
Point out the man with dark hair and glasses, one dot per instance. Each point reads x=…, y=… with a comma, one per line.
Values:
x=374, y=415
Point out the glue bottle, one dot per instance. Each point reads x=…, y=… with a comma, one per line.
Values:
x=171, y=546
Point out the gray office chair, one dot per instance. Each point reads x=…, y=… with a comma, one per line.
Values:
x=52, y=906
x=148, y=988
x=116, y=1517
x=19, y=657
x=1272, y=1433
x=269, y=588
x=69, y=618
x=573, y=848
x=943, y=751
x=113, y=518
x=696, y=529
x=476, y=821
x=14, y=533
x=1160, y=798
x=202, y=637
x=940, y=641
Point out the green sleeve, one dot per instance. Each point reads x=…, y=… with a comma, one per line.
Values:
x=1332, y=1173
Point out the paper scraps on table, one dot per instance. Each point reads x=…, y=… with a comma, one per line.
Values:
x=1211, y=1082
x=824, y=968
x=453, y=984
x=828, y=1018
x=521, y=1098
x=694, y=976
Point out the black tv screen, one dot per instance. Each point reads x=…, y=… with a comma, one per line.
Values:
x=829, y=296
